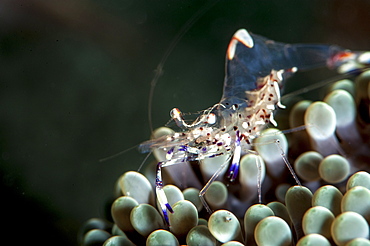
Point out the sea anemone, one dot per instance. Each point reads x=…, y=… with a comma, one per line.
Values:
x=331, y=157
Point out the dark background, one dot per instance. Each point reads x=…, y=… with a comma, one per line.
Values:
x=75, y=77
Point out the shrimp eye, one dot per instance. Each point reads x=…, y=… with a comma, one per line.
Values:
x=175, y=114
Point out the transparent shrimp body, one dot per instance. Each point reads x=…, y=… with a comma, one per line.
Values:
x=256, y=69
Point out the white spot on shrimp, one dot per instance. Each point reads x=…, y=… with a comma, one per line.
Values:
x=245, y=125
x=280, y=74
x=231, y=49
x=244, y=37
x=241, y=36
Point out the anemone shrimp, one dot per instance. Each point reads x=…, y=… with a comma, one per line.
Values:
x=256, y=71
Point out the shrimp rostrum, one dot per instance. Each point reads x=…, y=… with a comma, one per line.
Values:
x=256, y=69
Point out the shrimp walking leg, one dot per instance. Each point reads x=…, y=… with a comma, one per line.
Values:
x=161, y=196
x=274, y=137
x=208, y=184
x=234, y=167
x=259, y=174
x=286, y=161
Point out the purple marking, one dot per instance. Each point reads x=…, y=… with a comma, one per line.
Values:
x=168, y=206
x=234, y=167
x=165, y=216
x=237, y=138
x=183, y=148
x=204, y=149
x=233, y=171
x=170, y=151
x=158, y=182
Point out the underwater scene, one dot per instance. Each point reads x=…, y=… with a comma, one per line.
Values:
x=185, y=122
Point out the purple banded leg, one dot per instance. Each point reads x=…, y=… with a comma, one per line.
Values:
x=161, y=196
x=234, y=167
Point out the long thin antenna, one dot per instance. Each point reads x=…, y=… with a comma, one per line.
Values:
x=159, y=70
x=143, y=162
x=117, y=154
x=320, y=84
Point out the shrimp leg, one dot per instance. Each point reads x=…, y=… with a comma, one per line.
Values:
x=161, y=196
x=203, y=191
x=234, y=167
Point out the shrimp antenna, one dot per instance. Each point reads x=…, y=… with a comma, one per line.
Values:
x=144, y=161
x=321, y=84
x=118, y=154
x=159, y=70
